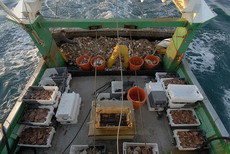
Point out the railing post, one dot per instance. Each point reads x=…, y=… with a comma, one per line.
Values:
x=44, y=41
x=179, y=44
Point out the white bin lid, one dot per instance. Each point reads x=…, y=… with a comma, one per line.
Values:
x=184, y=93
x=67, y=104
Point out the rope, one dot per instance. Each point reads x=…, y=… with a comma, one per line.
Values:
x=142, y=123
x=95, y=105
x=122, y=88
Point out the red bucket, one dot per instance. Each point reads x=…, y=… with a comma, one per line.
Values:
x=135, y=63
x=98, y=62
x=151, y=61
x=138, y=96
x=84, y=62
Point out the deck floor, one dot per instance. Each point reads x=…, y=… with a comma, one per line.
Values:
x=155, y=130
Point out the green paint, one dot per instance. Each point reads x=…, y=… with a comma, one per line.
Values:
x=179, y=44
x=113, y=23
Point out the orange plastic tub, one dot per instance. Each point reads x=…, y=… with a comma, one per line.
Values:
x=86, y=65
x=96, y=65
x=151, y=61
x=135, y=63
x=137, y=95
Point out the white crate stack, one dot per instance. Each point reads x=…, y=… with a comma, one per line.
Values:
x=58, y=79
x=181, y=95
x=69, y=108
x=154, y=146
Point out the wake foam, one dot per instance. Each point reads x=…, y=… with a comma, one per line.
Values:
x=205, y=50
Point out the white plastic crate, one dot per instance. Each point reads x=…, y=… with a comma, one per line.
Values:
x=69, y=108
x=60, y=83
x=75, y=149
x=162, y=82
x=177, y=138
x=178, y=105
x=60, y=71
x=157, y=75
x=26, y=98
x=182, y=125
x=184, y=93
x=155, y=149
x=49, y=139
x=117, y=85
x=48, y=117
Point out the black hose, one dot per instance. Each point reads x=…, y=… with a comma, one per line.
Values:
x=213, y=139
x=78, y=131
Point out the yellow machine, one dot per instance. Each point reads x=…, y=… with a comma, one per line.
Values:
x=123, y=50
x=162, y=46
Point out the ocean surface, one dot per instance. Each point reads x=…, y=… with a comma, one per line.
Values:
x=208, y=54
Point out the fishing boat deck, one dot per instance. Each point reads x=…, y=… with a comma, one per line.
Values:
x=154, y=130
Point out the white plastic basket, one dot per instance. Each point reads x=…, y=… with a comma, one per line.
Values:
x=49, y=139
x=69, y=108
x=182, y=125
x=184, y=93
x=178, y=105
x=75, y=149
x=60, y=83
x=61, y=71
x=155, y=149
x=177, y=138
x=48, y=117
x=157, y=75
x=26, y=98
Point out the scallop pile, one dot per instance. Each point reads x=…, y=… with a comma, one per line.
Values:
x=167, y=76
x=104, y=46
x=183, y=117
x=150, y=61
x=35, y=115
x=35, y=136
x=98, y=62
x=84, y=61
x=174, y=81
x=90, y=150
x=41, y=94
x=190, y=139
x=139, y=150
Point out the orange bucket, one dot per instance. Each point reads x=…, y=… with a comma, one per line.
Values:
x=83, y=62
x=151, y=61
x=98, y=62
x=137, y=95
x=135, y=63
